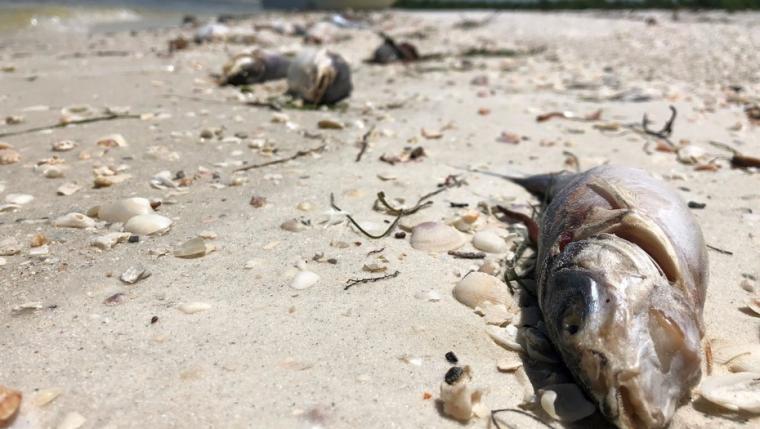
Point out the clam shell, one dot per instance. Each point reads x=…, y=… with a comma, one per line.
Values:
x=148, y=224
x=489, y=242
x=435, y=237
x=304, y=280
x=10, y=400
x=74, y=220
x=508, y=364
x=193, y=248
x=46, y=396
x=476, y=288
x=193, y=307
x=735, y=392
x=566, y=403
x=124, y=210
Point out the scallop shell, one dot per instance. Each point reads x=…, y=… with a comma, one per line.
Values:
x=304, y=280
x=476, y=288
x=74, y=220
x=566, y=403
x=10, y=400
x=435, y=237
x=148, y=224
x=490, y=242
x=124, y=210
x=735, y=392
x=319, y=77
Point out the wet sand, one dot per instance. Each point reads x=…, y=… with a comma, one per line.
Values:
x=265, y=354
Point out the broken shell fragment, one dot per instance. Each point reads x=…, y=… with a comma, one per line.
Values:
x=10, y=400
x=112, y=141
x=9, y=156
x=735, y=392
x=19, y=199
x=73, y=420
x=255, y=67
x=319, y=77
x=194, y=248
x=505, y=337
x=63, y=145
x=148, y=224
x=134, y=274
x=68, y=189
x=754, y=305
x=124, y=210
x=476, y=288
x=74, y=220
x=46, y=396
x=108, y=241
x=304, y=280
x=460, y=401
x=489, y=242
x=566, y=403
x=293, y=225
x=9, y=247
x=508, y=364
x=435, y=237
x=193, y=307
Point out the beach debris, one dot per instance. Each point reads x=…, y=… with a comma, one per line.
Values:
x=19, y=199
x=63, y=145
x=14, y=119
x=353, y=282
x=38, y=240
x=115, y=299
x=451, y=358
x=330, y=124
x=466, y=255
x=258, y=201
x=509, y=138
x=255, y=67
x=194, y=248
x=27, y=307
x=436, y=237
x=740, y=357
x=298, y=154
x=112, y=141
x=319, y=77
x=477, y=288
x=509, y=364
x=589, y=117
x=46, y=396
x=408, y=154
x=489, y=242
x=304, y=280
x=691, y=154
x=753, y=113
x=505, y=337
x=134, y=274
x=68, y=189
x=148, y=224
x=738, y=159
x=9, y=246
x=460, y=401
x=735, y=392
x=72, y=420
x=754, y=305
x=10, y=400
x=294, y=225
x=74, y=220
x=390, y=51
x=9, y=156
x=193, y=307
x=565, y=402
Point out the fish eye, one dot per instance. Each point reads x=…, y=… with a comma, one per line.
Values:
x=571, y=323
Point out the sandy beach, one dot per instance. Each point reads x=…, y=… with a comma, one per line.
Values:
x=224, y=340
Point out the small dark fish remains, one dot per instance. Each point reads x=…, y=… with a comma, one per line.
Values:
x=255, y=67
x=621, y=279
x=319, y=77
x=391, y=51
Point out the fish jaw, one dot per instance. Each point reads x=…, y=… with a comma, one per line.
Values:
x=636, y=349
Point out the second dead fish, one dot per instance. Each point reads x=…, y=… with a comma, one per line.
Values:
x=255, y=67
x=319, y=77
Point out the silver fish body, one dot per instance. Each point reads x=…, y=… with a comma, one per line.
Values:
x=622, y=273
x=255, y=67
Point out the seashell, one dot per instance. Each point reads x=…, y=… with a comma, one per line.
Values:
x=106, y=242
x=293, y=225
x=124, y=210
x=476, y=288
x=565, y=402
x=39, y=251
x=305, y=206
x=319, y=77
x=148, y=224
x=68, y=189
x=329, y=124
x=255, y=67
x=754, y=305
x=134, y=274
x=495, y=314
x=505, y=337
x=63, y=145
x=112, y=141
x=74, y=220
x=10, y=400
x=194, y=248
x=19, y=199
x=508, y=364
x=490, y=266
x=304, y=280
x=488, y=241
x=737, y=357
x=38, y=240
x=9, y=247
x=53, y=171
x=72, y=420
x=460, y=401
x=46, y=396
x=735, y=392
x=435, y=237
x=193, y=307
x=9, y=156
x=691, y=154
x=27, y=307
x=107, y=181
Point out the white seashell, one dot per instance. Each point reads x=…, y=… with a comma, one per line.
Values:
x=459, y=399
x=39, y=251
x=505, y=337
x=435, y=237
x=193, y=307
x=194, y=248
x=73, y=420
x=68, y=189
x=106, y=242
x=737, y=357
x=488, y=241
x=304, y=280
x=112, y=141
x=566, y=403
x=508, y=364
x=490, y=266
x=9, y=247
x=63, y=145
x=134, y=274
x=495, y=314
x=305, y=206
x=74, y=220
x=293, y=225
x=53, y=172
x=124, y=210
x=148, y=224
x=691, y=154
x=736, y=392
x=46, y=396
x=754, y=305
x=476, y=288
x=19, y=199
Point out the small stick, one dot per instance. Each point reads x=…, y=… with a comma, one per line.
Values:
x=719, y=250
x=65, y=124
x=354, y=282
x=666, y=130
x=365, y=144
x=298, y=154
x=515, y=410
x=372, y=252
x=467, y=255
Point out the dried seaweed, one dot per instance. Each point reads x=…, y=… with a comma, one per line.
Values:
x=353, y=282
x=298, y=154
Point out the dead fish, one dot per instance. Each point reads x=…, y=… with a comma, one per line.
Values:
x=319, y=77
x=390, y=51
x=621, y=282
x=255, y=67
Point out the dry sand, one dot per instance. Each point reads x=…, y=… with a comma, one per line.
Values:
x=267, y=355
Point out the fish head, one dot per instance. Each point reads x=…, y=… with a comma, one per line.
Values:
x=627, y=334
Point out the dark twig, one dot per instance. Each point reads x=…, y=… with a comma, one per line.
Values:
x=719, y=250
x=364, y=143
x=572, y=158
x=268, y=104
x=467, y=255
x=353, y=282
x=666, y=130
x=65, y=124
x=515, y=410
x=298, y=154
x=376, y=251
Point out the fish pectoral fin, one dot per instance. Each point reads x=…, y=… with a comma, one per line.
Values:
x=652, y=239
x=600, y=220
x=615, y=196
